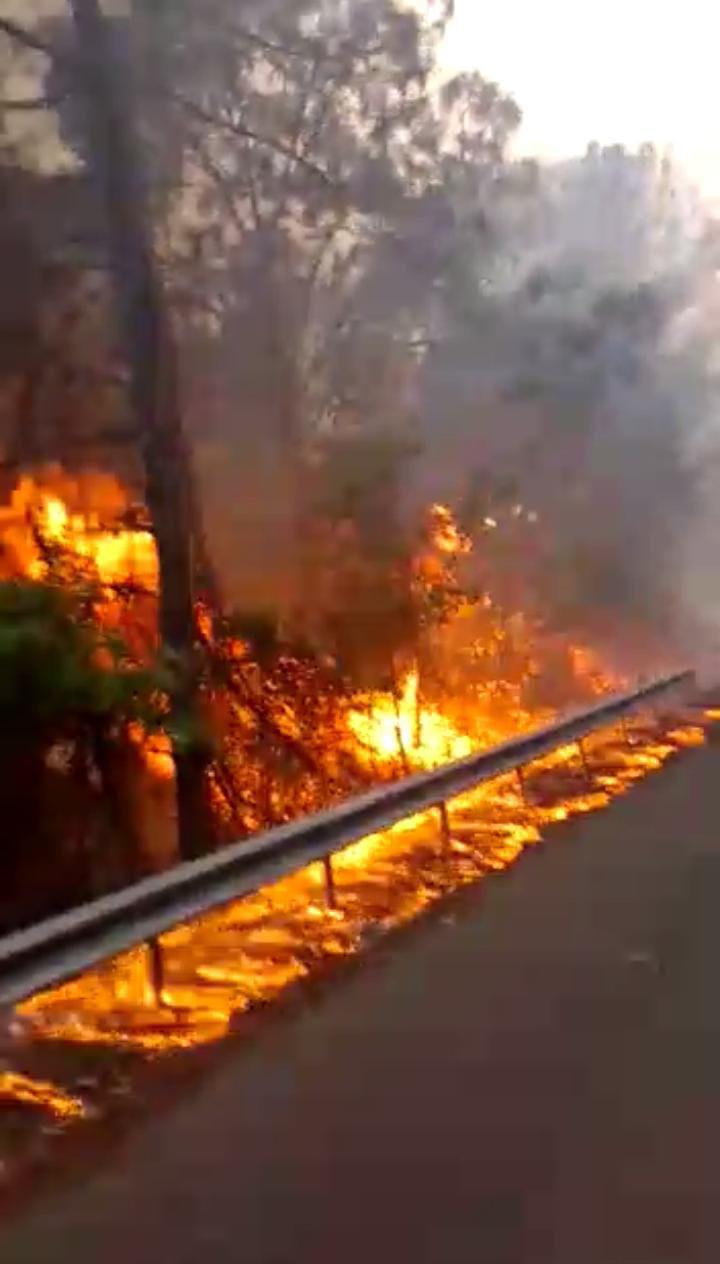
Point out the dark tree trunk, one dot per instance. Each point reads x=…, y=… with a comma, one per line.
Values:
x=118, y=170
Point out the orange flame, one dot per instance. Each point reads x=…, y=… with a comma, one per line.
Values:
x=83, y=515
x=389, y=728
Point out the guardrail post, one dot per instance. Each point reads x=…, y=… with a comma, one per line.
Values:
x=625, y=731
x=156, y=970
x=445, y=834
x=330, y=889
x=520, y=774
x=584, y=761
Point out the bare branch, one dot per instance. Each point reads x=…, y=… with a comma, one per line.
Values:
x=307, y=48
x=21, y=35
x=246, y=133
x=33, y=103
x=222, y=183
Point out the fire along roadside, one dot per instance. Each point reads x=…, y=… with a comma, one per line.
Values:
x=65, y=946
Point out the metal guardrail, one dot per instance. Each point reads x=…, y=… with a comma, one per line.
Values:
x=63, y=947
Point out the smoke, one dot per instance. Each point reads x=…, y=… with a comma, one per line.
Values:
x=577, y=367
x=546, y=333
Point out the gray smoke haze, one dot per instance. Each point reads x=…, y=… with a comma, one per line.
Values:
x=577, y=364
x=349, y=253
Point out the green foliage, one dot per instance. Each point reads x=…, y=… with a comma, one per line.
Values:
x=58, y=670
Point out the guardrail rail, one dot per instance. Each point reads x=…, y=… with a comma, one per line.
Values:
x=65, y=946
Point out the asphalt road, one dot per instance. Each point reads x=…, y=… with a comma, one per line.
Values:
x=532, y=1079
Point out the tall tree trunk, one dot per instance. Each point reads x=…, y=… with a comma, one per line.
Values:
x=119, y=172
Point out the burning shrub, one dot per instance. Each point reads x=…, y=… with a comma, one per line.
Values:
x=60, y=670
x=284, y=723
x=71, y=700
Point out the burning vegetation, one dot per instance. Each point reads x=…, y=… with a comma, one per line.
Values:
x=282, y=729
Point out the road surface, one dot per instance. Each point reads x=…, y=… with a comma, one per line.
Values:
x=532, y=1078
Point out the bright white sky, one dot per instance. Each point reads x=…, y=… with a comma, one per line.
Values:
x=613, y=70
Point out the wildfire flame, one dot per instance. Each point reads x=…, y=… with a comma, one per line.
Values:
x=392, y=728
x=445, y=533
x=83, y=515
x=41, y=1095
x=86, y=516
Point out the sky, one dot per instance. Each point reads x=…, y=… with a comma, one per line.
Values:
x=618, y=71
